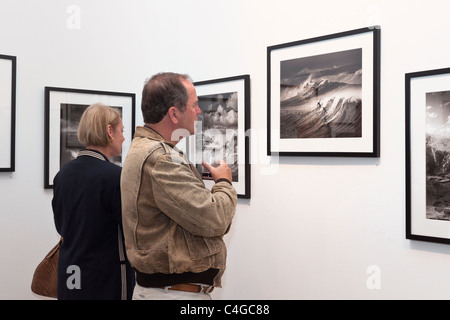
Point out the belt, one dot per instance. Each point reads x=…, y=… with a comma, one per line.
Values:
x=189, y=287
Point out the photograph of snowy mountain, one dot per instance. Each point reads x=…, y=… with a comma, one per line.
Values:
x=218, y=123
x=438, y=155
x=321, y=96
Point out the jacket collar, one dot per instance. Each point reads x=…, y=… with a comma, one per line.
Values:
x=92, y=153
x=145, y=132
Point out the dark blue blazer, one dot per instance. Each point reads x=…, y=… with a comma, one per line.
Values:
x=87, y=213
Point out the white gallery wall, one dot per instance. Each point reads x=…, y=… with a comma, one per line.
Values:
x=314, y=228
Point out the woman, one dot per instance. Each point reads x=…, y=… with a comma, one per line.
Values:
x=87, y=212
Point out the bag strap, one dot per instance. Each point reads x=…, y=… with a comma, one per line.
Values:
x=123, y=266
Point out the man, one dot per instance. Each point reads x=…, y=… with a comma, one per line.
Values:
x=173, y=225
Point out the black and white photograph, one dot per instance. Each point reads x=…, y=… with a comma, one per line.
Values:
x=223, y=129
x=427, y=97
x=438, y=155
x=7, y=112
x=219, y=124
x=70, y=145
x=63, y=110
x=321, y=96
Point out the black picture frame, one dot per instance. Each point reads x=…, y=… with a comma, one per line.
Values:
x=427, y=107
x=63, y=109
x=8, y=79
x=313, y=112
x=228, y=118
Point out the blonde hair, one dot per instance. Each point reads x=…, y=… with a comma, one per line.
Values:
x=93, y=127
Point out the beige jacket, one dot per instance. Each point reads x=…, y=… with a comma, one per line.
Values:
x=171, y=222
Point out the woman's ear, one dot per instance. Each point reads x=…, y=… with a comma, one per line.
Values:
x=109, y=130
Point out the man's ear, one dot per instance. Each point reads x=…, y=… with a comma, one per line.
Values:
x=173, y=114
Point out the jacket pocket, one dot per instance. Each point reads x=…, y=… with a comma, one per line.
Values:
x=200, y=247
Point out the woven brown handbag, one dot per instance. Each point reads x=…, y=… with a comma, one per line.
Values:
x=45, y=277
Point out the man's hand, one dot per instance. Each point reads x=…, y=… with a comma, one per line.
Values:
x=222, y=171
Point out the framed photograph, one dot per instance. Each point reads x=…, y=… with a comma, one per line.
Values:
x=427, y=97
x=7, y=112
x=223, y=129
x=63, y=110
x=323, y=96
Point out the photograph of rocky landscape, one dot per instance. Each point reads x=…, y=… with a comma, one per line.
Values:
x=217, y=130
x=438, y=155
